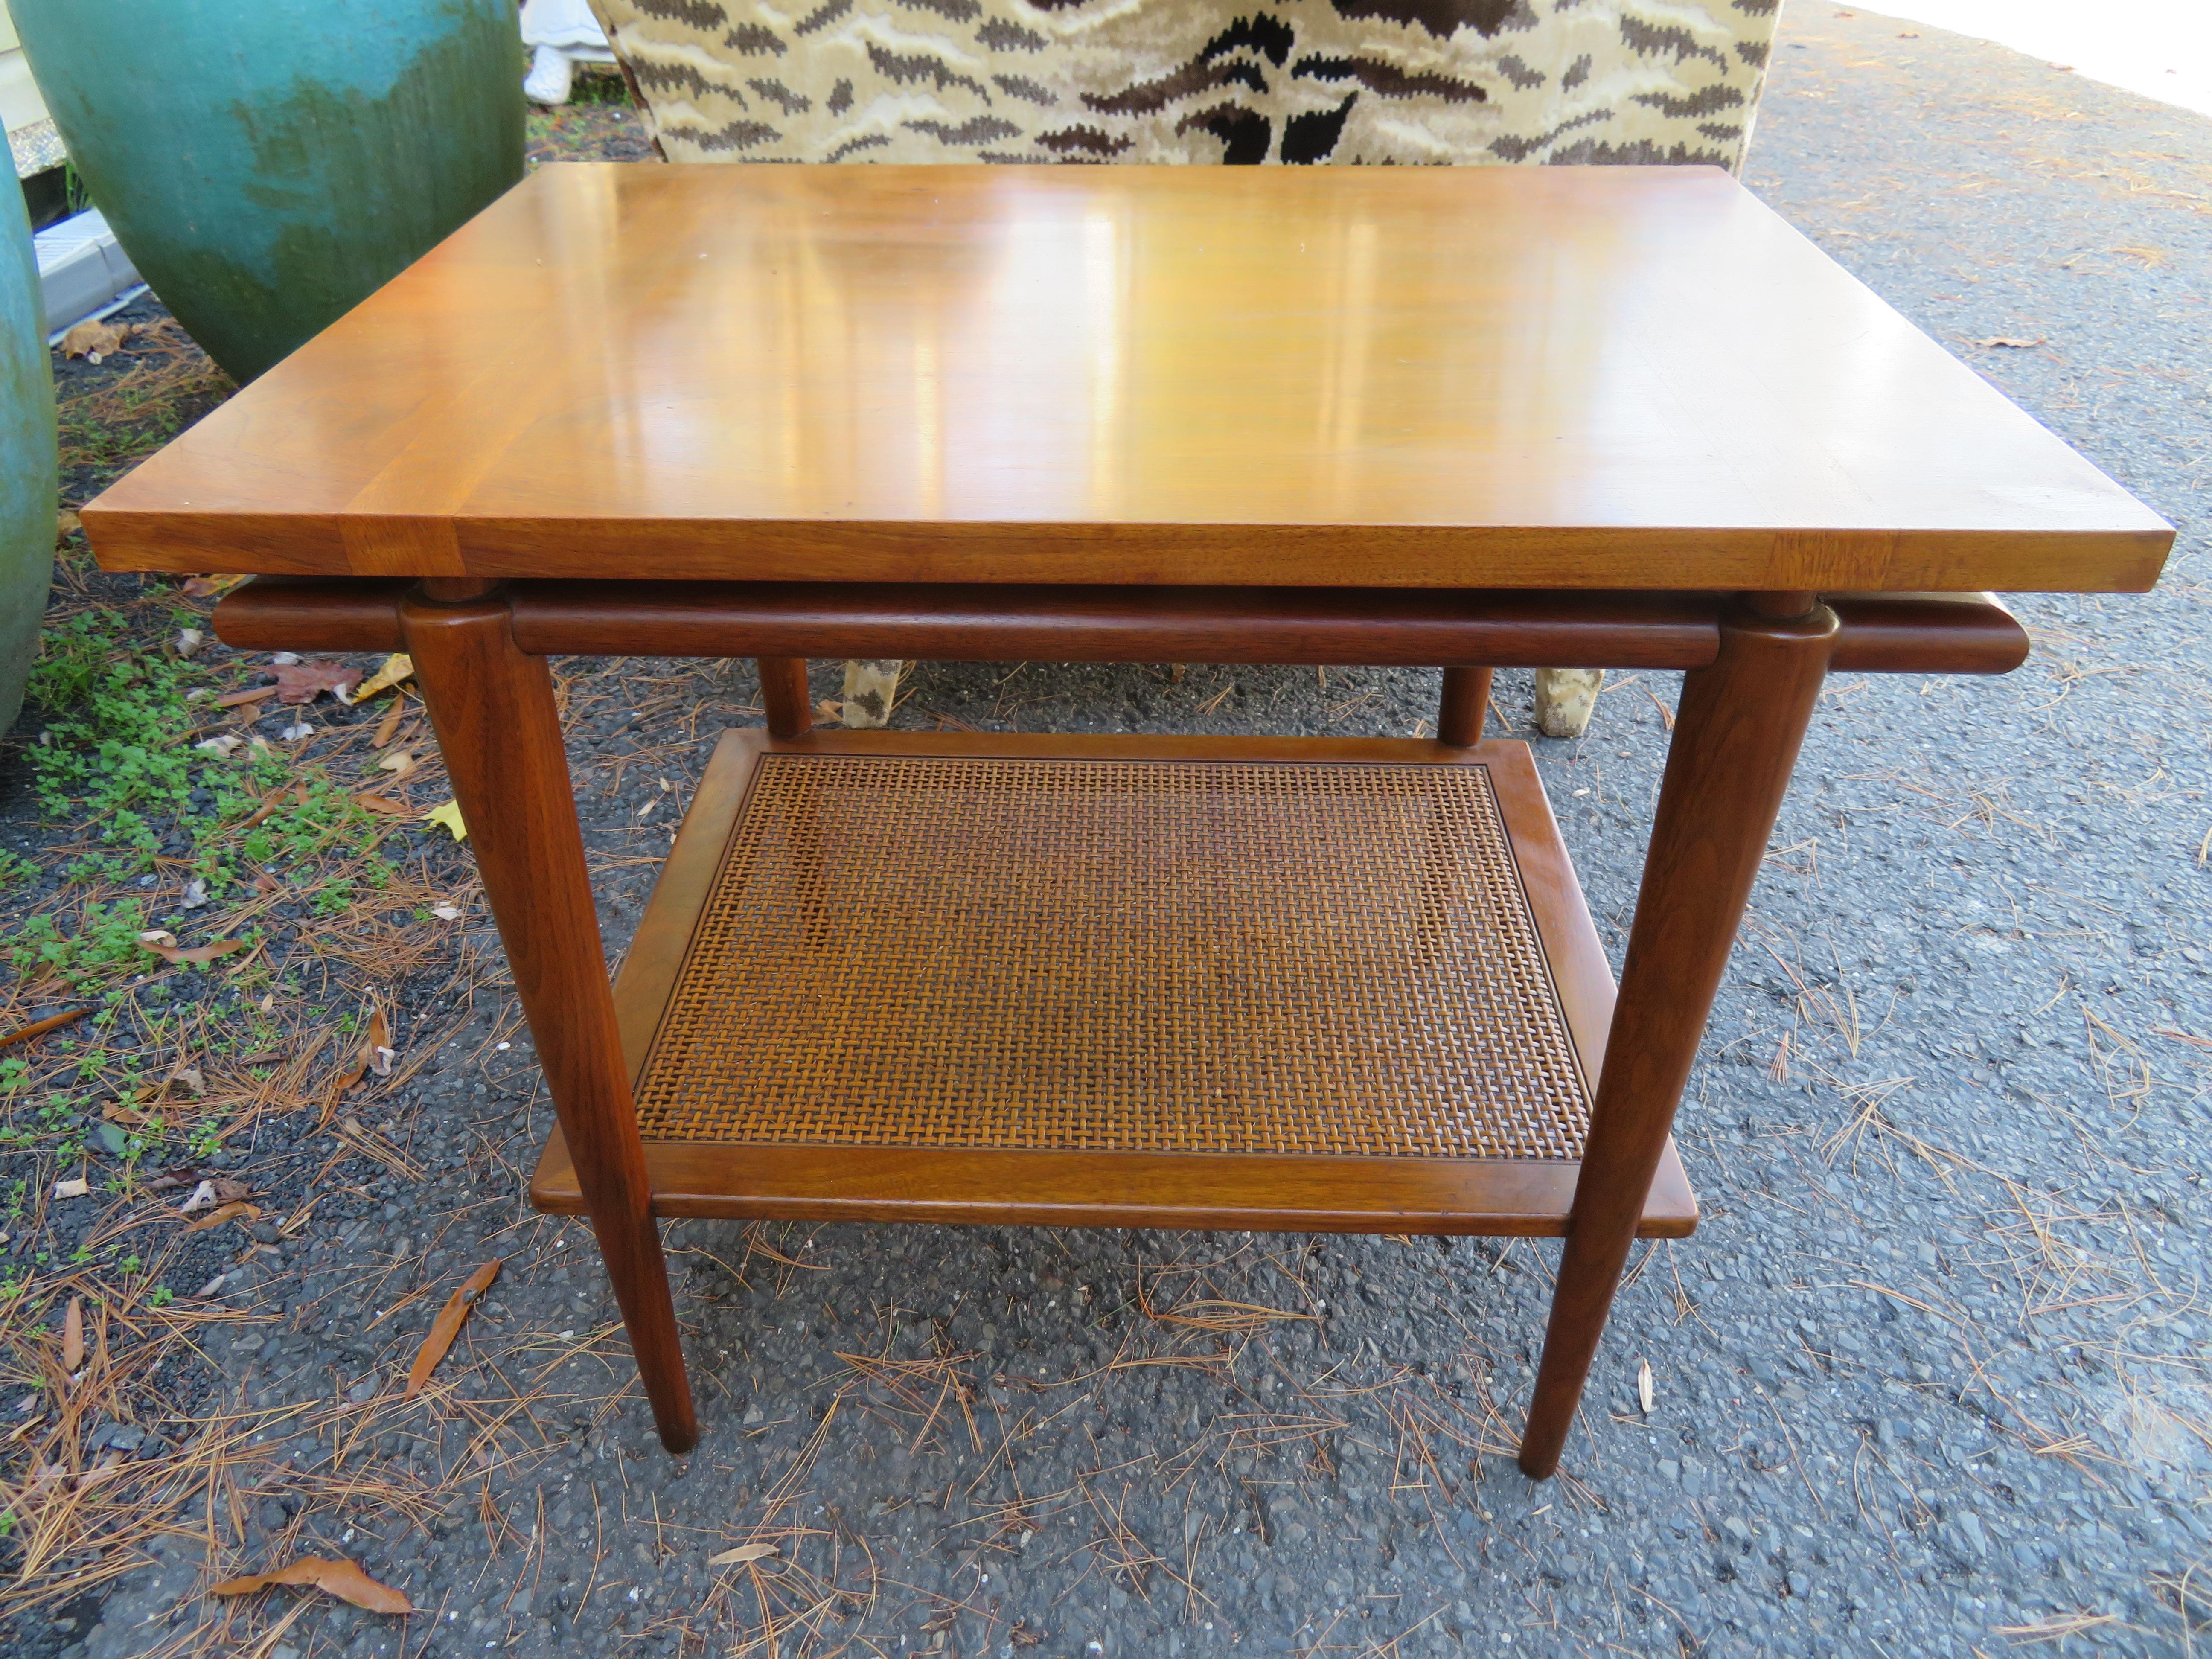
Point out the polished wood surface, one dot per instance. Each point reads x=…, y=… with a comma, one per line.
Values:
x=1497, y=1197
x=311, y=613
x=1925, y=634
x=1464, y=705
x=1489, y=377
x=1892, y=633
x=1010, y=623
x=784, y=696
x=1736, y=736
x=500, y=736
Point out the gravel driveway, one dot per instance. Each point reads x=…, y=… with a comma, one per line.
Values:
x=1932, y=1378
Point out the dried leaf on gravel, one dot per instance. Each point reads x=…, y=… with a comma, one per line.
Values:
x=38, y=1028
x=388, y=727
x=375, y=1054
x=77, y=1188
x=201, y=954
x=398, y=763
x=450, y=816
x=742, y=1553
x=130, y=1117
x=211, y=587
x=92, y=340
x=236, y=1210
x=219, y=1190
x=1647, y=1394
x=342, y=1578
x=303, y=682
x=2001, y=342
x=378, y=1046
x=388, y=805
x=73, y=1334
x=397, y=667
x=447, y=1326
x=66, y=524
x=238, y=699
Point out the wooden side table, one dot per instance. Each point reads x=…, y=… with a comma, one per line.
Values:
x=1475, y=419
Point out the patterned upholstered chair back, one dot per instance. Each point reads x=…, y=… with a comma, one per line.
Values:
x=1405, y=82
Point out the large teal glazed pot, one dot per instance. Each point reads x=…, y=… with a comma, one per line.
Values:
x=267, y=164
x=26, y=456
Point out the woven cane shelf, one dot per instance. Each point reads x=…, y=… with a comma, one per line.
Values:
x=1156, y=981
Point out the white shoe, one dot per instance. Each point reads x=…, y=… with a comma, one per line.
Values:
x=551, y=76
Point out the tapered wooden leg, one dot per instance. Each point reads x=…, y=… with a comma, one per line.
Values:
x=1464, y=707
x=1735, y=740
x=499, y=735
x=784, y=695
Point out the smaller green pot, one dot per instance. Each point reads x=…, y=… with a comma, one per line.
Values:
x=28, y=481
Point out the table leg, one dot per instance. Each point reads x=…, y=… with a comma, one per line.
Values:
x=1464, y=707
x=784, y=695
x=499, y=735
x=1736, y=737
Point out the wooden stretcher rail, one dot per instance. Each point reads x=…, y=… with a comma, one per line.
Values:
x=1486, y=1200
x=993, y=623
x=311, y=613
x=1925, y=634
x=1901, y=632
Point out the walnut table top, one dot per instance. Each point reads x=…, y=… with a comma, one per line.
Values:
x=1547, y=377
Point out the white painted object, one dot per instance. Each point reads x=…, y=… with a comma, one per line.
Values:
x=561, y=34
x=2159, y=49
x=32, y=143
x=82, y=269
x=552, y=77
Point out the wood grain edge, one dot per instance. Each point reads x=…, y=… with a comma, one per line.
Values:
x=657, y=949
x=1580, y=972
x=1126, y=745
x=1480, y=1198
x=2123, y=558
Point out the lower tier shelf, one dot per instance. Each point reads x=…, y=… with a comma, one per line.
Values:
x=1255, y=983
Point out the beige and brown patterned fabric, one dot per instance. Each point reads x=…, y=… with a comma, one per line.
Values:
x=1202, y=81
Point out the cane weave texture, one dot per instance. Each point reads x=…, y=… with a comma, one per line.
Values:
x=1118, y=956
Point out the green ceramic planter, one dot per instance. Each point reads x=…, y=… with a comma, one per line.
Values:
x=267, y=164
x=26, y=456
